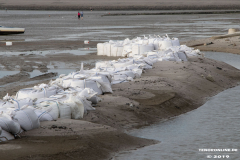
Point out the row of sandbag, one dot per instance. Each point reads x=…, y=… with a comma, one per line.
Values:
x=135, y=46
x=107, y=73
x=103, y=75
x=70, y=96
x=23, y=113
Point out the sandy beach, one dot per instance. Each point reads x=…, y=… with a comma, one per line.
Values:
x=166, y=91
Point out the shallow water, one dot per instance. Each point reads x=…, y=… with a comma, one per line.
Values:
x=215, y=125
x=64, y=25
x=80, y=51
x=7, y=73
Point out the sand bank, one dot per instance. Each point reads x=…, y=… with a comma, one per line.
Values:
x=228, y=44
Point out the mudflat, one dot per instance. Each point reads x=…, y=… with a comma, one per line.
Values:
x=120, y=5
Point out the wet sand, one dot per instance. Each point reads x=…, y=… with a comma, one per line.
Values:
x=167, y=90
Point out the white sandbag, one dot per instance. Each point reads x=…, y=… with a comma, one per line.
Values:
x=146, y=48
x=135, y=49
x=9, y=102
x=107, y=49
x=64, y=110
x=102, y=64
x=104, y=81
x=95, y=99
x=114, y=50
x=6, y=110
x=86, y=83
x=175, y=42
x=91, y=96
x=126, y=50
x=95, y=71
x=76, y=75
x=57, y=100
x=87, y=93
x=40, y=91
x=138, y=49
x=182, y=56
x=148, y=61
x=123, y=64
x=151, y=40
x=165, y=44
x=127, y=73
x=47, y=111
x=59, y=82
x=27, y=119
x=120, y=78
x=127, y=41
x=9, y=125
x=83, y=94
x=142, y=64
x=175, y=54
x=100, y=51
x=137, y=72
x=145, y=41
x=5, y=136
x=119, y=51
x=77, y=107
x=156, y=44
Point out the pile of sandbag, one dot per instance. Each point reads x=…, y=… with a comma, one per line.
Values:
x=137, y=46
x=30, y=106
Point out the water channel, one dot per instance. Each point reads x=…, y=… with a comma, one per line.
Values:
x=215, y=125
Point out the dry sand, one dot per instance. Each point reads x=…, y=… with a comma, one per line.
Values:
x=119, y=5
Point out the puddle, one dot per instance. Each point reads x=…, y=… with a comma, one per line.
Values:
x=80, y=51
x=7, y=73
x=60, y=71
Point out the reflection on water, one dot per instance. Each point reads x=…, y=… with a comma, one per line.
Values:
x=215, y=125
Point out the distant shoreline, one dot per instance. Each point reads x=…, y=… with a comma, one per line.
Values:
x=174, y=13
x=130, y=7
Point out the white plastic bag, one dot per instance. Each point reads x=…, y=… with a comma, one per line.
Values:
x=27, y=119
x=5, y=136
x=40, y=91
x=9, y=125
